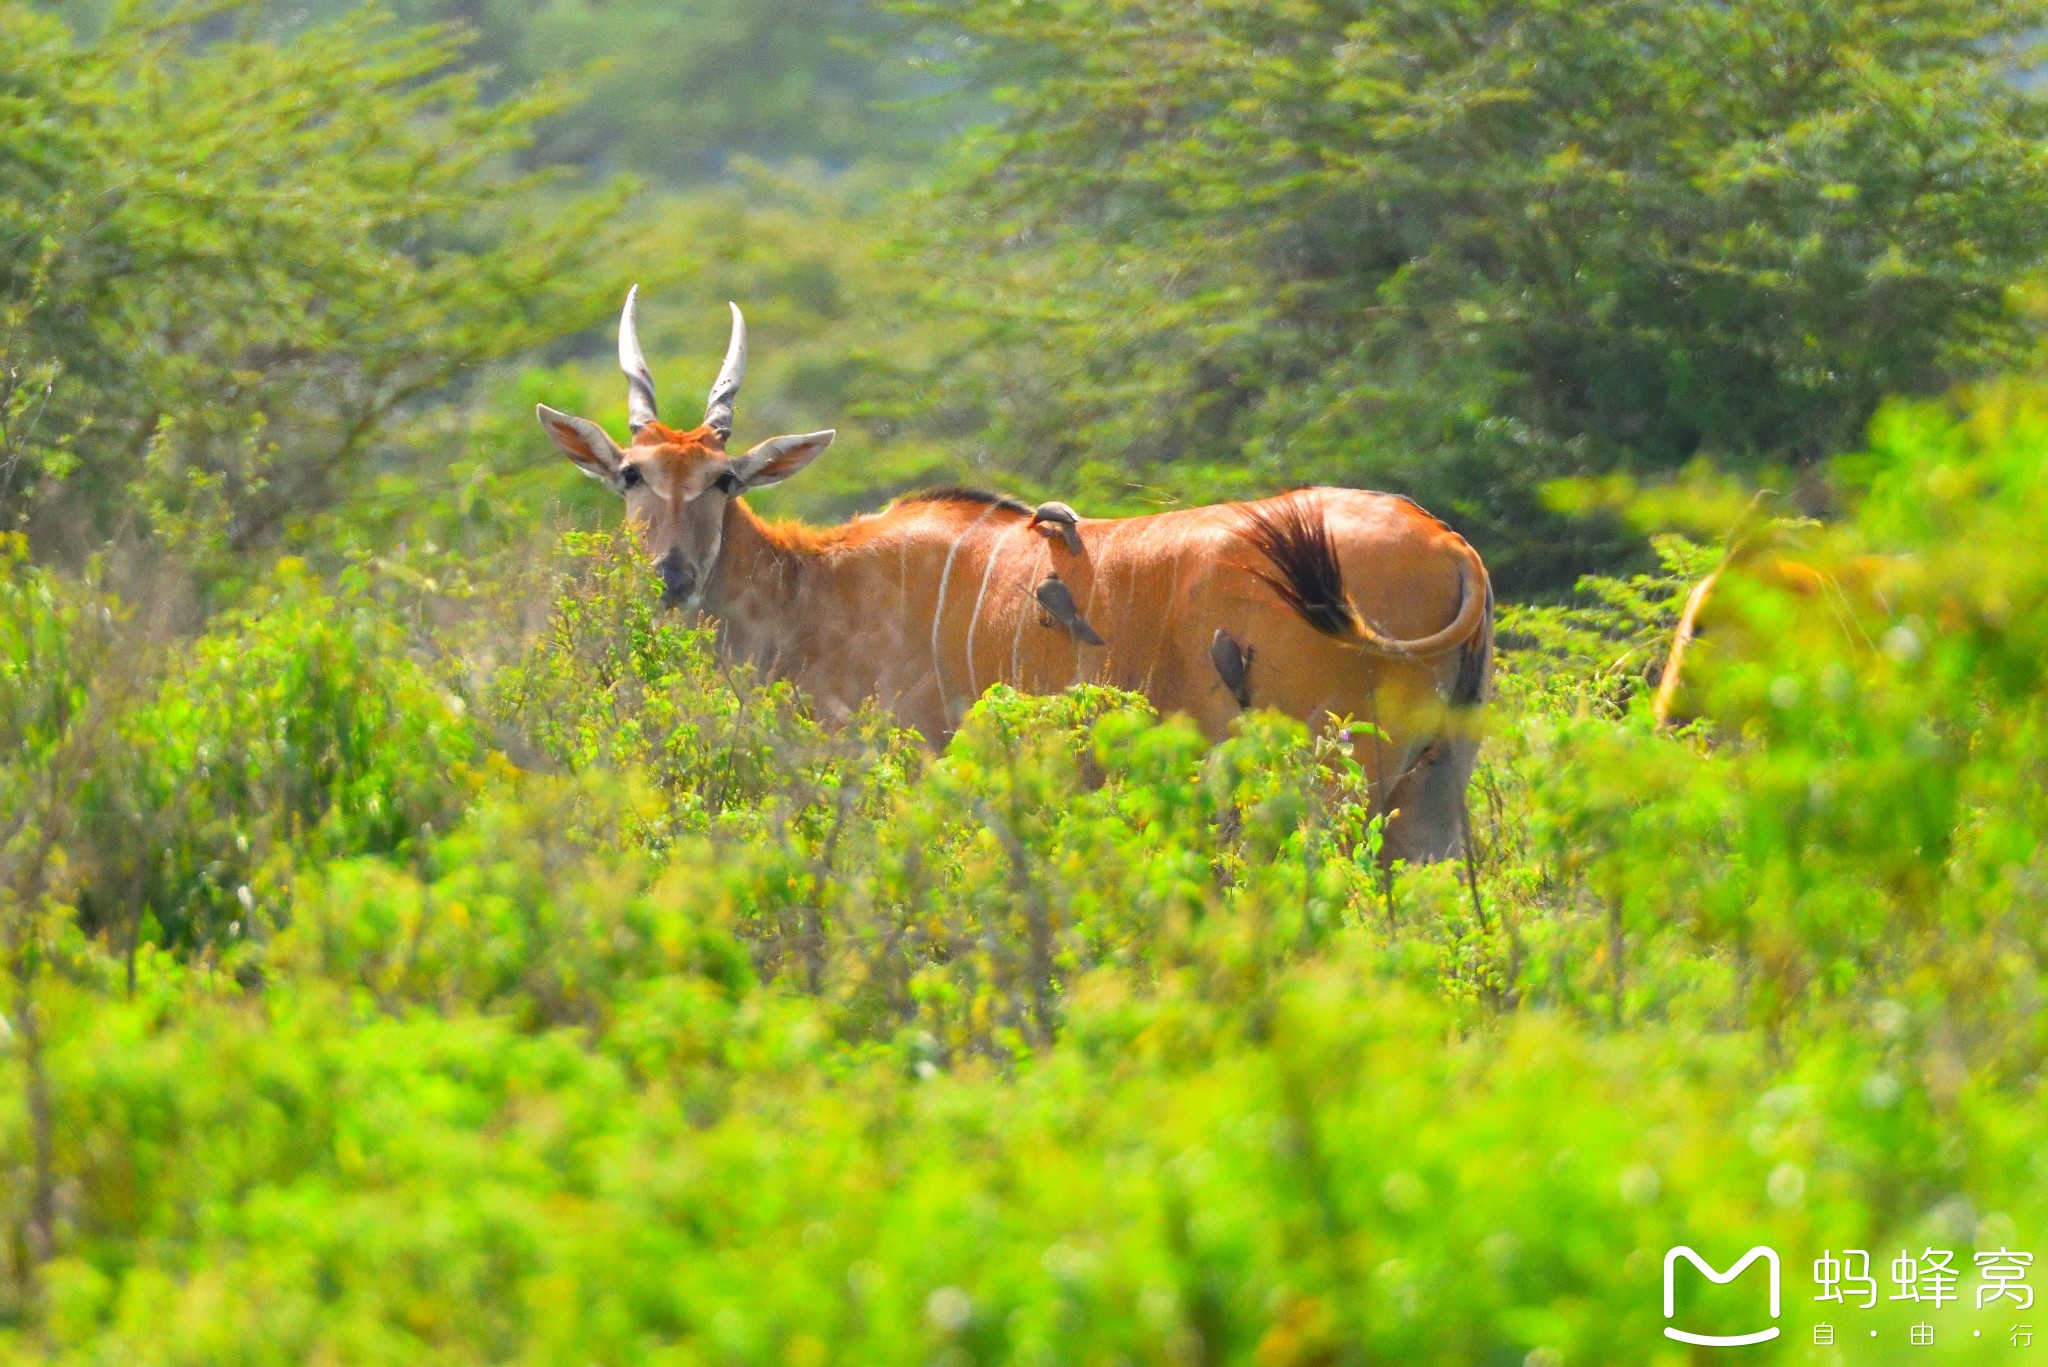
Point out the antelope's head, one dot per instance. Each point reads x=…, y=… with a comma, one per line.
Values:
x=677, y=484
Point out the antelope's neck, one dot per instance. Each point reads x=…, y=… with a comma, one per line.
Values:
x=757, y=592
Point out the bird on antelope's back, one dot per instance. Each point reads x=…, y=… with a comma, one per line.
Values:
x=1053, y=596
x=1354, y=604
x=1057, y=519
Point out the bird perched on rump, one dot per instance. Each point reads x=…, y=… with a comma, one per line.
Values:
x=1058, y=601
x=1233, y=663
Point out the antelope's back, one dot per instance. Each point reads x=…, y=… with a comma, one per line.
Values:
x=964, y=589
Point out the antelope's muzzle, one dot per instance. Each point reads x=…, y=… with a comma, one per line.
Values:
x=678, y=580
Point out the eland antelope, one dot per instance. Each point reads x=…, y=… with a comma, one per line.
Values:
x=1320, y=603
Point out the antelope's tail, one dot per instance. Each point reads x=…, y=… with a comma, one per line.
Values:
x=1293, y=536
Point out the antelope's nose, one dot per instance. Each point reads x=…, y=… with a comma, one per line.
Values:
x=678, y=580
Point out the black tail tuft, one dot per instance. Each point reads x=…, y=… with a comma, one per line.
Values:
x=1291, y=533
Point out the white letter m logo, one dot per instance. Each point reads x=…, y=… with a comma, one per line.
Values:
x=1769, y=1255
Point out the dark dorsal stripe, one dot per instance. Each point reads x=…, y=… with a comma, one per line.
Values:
x=960, y=493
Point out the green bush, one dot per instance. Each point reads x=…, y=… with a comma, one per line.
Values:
x=296, y=730
x=513, y=914
x=610, y=683
x=1329, y=1164
x=1859, y=827
x=1060, y=835
x=707, y=1033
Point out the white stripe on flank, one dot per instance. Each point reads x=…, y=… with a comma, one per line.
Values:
x=1023, y=620
x=939, y=612
x=1168, y=615
x=1095, y=584
x=974, y=619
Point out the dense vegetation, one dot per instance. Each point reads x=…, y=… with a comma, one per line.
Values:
x=415, y=946
x=1459, y=248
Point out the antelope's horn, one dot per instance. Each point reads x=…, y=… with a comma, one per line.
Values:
x=640, y=409
x=718, y=408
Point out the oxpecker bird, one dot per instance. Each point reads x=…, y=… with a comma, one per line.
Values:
x=1057, y=519
x=1058, y=602
x=1233, y=665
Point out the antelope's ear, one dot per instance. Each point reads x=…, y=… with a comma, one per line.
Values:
x=777, y=458
x=583, y=442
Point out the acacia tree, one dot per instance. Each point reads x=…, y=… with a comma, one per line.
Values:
x=229, y=265
x=1461, y=247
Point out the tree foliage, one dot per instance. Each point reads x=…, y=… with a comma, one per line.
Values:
x=1460, y=248
x=232, y=269
x=678, y=90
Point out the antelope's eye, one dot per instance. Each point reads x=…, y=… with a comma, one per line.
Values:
x=629, y=475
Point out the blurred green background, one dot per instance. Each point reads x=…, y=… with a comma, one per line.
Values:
x=417, y=948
